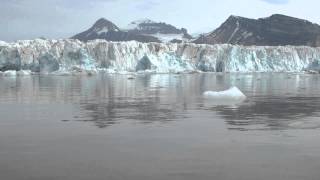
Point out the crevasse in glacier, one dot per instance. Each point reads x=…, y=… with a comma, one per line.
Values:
x=69, y=55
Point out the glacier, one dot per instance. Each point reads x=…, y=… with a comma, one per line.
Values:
x=67, y=55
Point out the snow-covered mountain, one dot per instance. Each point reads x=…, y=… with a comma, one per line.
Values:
x=276, y=30
x=141, y=30
x=105, y=29
x=73, y=55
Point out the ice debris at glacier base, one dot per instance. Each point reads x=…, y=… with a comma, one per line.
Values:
x=48, y=56
x=314, y=67
x=231, y=94
x=13, y=73
x=10, y=73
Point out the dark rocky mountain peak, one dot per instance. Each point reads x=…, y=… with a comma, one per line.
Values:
x=271, y=31
x=103, y=23
x=105, y=29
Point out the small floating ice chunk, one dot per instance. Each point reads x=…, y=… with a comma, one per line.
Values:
x=131, y=77
x=62, y=73
x=231, y=94
x=110, y=71
x=91, y=72
x=2, y=43
x=24, y=73
x=10, y=73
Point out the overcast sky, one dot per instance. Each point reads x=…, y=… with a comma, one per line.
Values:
x=28, y=19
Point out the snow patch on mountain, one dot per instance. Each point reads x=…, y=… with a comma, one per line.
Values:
x=103, y=30
x=136, y=24
x=169, y=37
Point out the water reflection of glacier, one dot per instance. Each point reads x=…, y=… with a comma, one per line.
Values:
x=275, y=101
x=273, y=113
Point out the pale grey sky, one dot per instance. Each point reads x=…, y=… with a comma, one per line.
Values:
x=28, y=19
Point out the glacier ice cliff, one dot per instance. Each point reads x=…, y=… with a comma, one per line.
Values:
x=72, y=55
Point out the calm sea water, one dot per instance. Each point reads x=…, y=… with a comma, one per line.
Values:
x=159, y=127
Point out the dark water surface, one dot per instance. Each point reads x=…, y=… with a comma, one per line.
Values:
x=159, y=127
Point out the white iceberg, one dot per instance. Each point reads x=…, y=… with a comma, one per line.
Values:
x=232, y=94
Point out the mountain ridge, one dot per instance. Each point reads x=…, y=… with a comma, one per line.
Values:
x=141, y=31
x=275, y=30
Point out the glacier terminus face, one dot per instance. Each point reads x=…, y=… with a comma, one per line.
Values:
x=50, y=56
